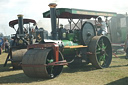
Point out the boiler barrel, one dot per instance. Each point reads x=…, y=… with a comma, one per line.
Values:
x=35, y=60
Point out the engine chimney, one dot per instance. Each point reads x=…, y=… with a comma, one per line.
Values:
x=20, y=23
x=53, y=20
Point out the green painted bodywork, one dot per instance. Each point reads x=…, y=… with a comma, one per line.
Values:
x=78, y=13
x=75, y=36
x=71, y=36
x=69, y=43
x=89, y=12
x=73, y=39
x=68, y=51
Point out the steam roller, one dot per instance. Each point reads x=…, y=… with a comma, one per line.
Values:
x=19, y=40
x=72, y=47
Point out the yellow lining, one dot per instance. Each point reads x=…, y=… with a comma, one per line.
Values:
x=78, y=46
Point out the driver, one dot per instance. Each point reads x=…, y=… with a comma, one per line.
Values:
x=102, y=27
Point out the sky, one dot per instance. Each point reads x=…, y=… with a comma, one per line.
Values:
x=33, y=9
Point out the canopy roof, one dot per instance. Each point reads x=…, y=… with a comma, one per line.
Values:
x=78, y=13
x=25, y=21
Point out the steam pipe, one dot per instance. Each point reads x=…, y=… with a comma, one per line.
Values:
x=53, y=20
x=20, y=23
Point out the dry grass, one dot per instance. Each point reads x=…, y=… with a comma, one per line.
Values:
x=116, y=74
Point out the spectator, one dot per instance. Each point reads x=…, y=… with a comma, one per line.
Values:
x=1, y=42
x=7, y=45
x=126, y=47
x=0, y=49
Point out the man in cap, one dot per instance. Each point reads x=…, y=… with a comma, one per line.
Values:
x=61, y=33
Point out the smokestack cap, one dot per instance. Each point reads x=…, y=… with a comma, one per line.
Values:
x=52, y=5
x=20, y=15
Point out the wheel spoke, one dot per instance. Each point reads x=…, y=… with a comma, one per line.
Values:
x=99, y=47
x=104, y=47
x=50, y=67
x=106, y=53
x=102, y=59
x=97, y=52
x=102, y=44
x=50, y=60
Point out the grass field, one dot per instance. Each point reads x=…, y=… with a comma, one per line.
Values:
x=116, y=74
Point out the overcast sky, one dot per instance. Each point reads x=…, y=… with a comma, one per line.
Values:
x=33, y=9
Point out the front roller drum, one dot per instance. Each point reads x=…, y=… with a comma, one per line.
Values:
x=34, y=63
x=101, y=50
x=17, y=56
